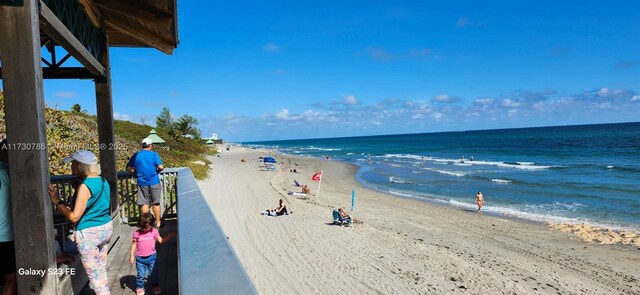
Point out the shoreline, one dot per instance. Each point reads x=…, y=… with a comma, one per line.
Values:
x=588, y=231
x=404, y=246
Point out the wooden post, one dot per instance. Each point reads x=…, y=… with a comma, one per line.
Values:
x=106, y=137
x=26, y=132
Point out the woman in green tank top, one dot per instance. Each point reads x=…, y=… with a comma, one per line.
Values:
x=91, y=216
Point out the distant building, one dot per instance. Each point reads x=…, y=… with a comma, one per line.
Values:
x=213, y=139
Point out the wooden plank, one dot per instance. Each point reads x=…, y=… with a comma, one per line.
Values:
x=104, y=116
x=139, y=33
x=120, y=271
x=64, y=73
x=24, y=102
x=55, y=29
x=148, y=15
x=122, y=275
x=92, y=12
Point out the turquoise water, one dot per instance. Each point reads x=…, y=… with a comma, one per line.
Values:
x=586, y=173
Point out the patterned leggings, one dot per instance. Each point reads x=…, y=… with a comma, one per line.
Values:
x=93, y=245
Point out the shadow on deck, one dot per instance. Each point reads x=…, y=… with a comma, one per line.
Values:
x=122, y=275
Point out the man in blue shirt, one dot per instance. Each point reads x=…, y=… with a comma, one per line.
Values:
x=7, y=247
x=146, y=164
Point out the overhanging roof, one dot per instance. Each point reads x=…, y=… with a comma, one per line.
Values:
x=136, y=23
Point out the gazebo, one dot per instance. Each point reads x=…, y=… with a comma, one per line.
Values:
x=155, y=139
x=86, y=30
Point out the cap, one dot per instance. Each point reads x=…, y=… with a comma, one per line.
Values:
x=146, y=142
x=82, y=156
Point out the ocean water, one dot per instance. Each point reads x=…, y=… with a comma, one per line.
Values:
x=574, y=174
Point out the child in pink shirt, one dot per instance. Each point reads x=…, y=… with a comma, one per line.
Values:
x=143, y=252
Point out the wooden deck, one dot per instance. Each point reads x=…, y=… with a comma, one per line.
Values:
x=122, y=275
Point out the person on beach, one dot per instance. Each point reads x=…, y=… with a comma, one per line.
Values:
x=146, y=164
x=280, y=210
x=346, y=216
x=479, y=200
x=143, y=253
x=306, y=190
x=90, y=215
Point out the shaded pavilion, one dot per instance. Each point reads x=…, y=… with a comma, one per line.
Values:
x=32, y=34
x=153, y=135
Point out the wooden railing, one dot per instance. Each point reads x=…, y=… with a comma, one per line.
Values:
x=127, y=190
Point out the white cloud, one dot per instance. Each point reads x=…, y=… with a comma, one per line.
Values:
x=510, y=103
x=350, y=99
x=66, y=94
x=483, y=101
x=332, y=118
x=233, y=119
x=604, y=91
x=283, y=114
x=444, y=98
x=437, y=116
x=271, y=47
x=122, y=117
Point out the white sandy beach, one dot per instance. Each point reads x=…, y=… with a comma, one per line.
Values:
x=404, y=246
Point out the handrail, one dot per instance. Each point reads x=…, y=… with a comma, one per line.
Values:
x=127, y=188
x=206, y=262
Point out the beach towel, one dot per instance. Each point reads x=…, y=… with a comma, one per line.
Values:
x=296, y=183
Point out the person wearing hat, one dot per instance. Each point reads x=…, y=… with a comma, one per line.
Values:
x=146, y=164
x=91, y=216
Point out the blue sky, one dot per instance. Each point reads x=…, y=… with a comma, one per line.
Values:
x=292, y=69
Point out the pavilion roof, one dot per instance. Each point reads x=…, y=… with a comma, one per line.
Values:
x=136, y=23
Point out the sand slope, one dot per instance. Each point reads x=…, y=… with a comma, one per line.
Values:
x=403, y=247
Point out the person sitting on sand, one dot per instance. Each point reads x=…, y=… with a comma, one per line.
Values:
x=479, y=200
x=306, y=190
x=280, y=210
x=344, y=215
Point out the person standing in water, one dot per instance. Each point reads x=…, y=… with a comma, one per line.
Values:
x=479, y=200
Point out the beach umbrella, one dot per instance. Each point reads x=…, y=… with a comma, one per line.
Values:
x=353, y=201
x=269, y=160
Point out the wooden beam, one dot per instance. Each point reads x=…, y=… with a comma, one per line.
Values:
x=54, y=28
x=64, y=73
x=152, y=16
x=104, y=116
x=139, y=33
x=92, y=12
x=26, y=131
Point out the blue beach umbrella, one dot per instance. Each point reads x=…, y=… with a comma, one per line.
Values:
x=353, y=201
x=269, y=160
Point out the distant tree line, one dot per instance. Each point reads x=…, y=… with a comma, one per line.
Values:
x=184, y=126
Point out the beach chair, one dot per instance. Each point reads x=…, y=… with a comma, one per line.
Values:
x=270, y=166
x=338, y=220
